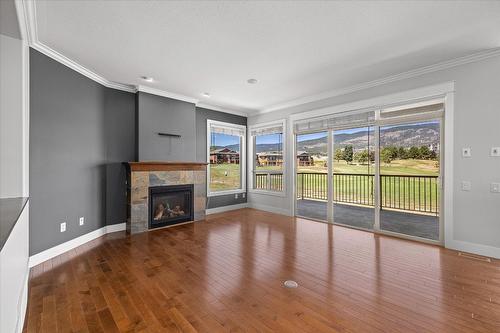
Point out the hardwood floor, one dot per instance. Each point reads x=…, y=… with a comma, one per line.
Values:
x=225, y=274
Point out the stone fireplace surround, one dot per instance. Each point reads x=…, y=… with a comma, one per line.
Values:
x=143, y=175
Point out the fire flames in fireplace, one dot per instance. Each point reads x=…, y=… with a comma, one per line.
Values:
x=163, y=211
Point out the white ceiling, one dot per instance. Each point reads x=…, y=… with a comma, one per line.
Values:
x=294, y=49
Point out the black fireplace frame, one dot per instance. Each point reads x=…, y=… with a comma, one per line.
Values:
x=169, y=189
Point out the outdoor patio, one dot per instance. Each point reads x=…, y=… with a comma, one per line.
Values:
x=425, y=226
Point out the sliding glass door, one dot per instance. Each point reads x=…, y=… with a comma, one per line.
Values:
x=353, y=160
x=376, y=170
x=312, y=175
x=409, y=178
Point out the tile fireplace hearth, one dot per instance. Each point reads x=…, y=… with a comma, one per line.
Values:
x=164, y=194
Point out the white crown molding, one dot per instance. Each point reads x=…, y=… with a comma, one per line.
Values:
x=188, y=99
x=79, y=68
x=21, y=17
x=27, y=17
x=217, y=108
x=27, y=14
x=167, y=94
x=397, y=77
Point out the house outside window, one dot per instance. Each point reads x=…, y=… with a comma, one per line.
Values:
x=268, y=163
x=226, y=158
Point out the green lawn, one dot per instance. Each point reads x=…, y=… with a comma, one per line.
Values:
x=224, y=177
x=397, y=192
x=396, y=167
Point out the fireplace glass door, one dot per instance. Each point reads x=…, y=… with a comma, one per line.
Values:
x=170, y=205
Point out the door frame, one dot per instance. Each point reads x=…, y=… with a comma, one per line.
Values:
x=443, y=91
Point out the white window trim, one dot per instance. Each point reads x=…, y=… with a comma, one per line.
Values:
x=251, y=149
x=243, y=174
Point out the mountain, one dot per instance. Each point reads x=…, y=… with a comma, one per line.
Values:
x=235, y=147
x=408, y=135
x=260, y=148
x=268, y=147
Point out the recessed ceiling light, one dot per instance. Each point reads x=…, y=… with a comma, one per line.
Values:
x=252, y=81
x=147, y=78
x=206, y=94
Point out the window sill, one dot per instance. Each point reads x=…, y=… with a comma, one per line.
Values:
x=216, y=194
x=266, y=192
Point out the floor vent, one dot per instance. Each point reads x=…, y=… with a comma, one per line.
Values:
x=290, y=284
x=474, y=256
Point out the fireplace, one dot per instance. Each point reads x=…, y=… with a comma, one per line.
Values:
x=170, y=205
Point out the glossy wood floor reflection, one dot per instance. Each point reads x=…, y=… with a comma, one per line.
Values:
x=225, y=275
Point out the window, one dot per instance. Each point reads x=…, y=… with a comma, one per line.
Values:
x=268, y=157
x=226, y=158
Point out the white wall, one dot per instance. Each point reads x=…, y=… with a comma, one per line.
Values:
x=11, y=117
x=14, y=276
x=476, y=223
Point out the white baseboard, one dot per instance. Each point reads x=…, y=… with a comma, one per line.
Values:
x=483, y=250
x=71, y=244
x=225, y=208
x=270, y=209
x=115, y=227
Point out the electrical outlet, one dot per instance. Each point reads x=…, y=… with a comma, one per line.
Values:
x=495, y=152
x=244, y=195
x=466, y=152
x=495, y=188
x=82, y=220
x=466, y=185
x=63, y=227
x=236, y=196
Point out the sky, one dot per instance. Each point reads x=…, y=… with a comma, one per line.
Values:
x=269, y=138
x=224, y=140
x=305, y=137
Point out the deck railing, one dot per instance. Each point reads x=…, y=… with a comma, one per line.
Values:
x=402, y=192
x=269, y=180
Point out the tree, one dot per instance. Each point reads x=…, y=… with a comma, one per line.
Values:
x=426, y=153
x=364, y=156
x=339, y=155
x=361, y=156
x=414, y=153
x=348, y=154
x=386, y=155
x=401, y=153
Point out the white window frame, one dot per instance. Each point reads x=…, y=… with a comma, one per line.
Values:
x=251, y=150
x=243, y=167
x=444, y=91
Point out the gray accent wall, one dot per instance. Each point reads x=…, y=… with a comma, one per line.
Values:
x=202, y=115
x=161, y=114
x=80, y=132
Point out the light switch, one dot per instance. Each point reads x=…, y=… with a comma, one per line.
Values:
x=466, y=152
x=495, y=152
x=466, y=185
x=495, y=188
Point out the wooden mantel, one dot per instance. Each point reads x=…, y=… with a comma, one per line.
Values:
x=166, y=166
